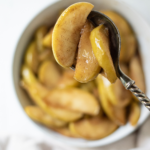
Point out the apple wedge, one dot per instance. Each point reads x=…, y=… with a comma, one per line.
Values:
x=47, y=54
x=100, y=43
x=39, y=35
x=117, y=94
x=128, y=47
x=67, y=80
x=119, y=21
x=47, y=40
x=128, y=40
x=64, y=114
x=72, y=130
x=134, y=113
x=56, y=112
x=66, y=132
x=87, y=67
x=31, y=57
x=116, y=114
x=93, y=128
x=73, y=99
x=49, y=74
x=37, y=114
x=30, y=79
x=89, y=87
x=136, y=73
x=66, y=33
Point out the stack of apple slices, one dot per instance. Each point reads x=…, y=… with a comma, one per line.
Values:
x=77, y=43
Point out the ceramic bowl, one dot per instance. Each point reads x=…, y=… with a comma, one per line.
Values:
x=49, y=16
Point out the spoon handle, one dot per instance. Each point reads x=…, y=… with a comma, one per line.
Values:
x=138, y=93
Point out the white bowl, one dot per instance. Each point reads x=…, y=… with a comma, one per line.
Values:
x=49, y=16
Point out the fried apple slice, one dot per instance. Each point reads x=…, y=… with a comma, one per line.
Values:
x=66, y=132
x=39, y=35
x=49, y=74
x=72, y=130
x=37, y=114
x=67, y=80
x=35, y=96
x=89, y=87
x=119, y=21
x=47, y=40
x=128, y=47
x=94, y=128
x=87, y=67
x=116, y=114
x=31, y=57
x=134, y=113
x=136, y=73
x=59, y=113
x=128, y=40
x=73, y=99
x=64, y=114
x=46, y=54
x=66, y=33
x=30, y=79
x=117, y=94
x=100, y=44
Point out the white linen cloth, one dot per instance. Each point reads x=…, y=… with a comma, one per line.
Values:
x=19, y=142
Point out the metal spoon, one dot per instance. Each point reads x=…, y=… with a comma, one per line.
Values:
x=98, y=18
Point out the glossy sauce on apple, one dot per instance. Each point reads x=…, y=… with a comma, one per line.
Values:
x=87, y=67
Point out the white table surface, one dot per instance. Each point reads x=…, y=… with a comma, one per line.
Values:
x=14, y=16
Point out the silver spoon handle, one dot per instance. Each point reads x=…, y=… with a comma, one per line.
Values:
x=138, y=93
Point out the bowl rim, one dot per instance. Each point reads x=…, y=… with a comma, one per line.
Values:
x=88, y=144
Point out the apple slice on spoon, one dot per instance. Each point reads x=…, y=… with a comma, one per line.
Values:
x=66, y=34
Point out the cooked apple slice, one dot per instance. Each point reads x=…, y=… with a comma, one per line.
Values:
x=87, y=67
x=46, y=54
x=67, y=80
x=128, y=40
x=31, y=57
x=39, y=35
x=47, y=40
x=119, y=21
x=94, y=128
x=37, y=114
x=35, y=96
x=117, y=94
x=95, y=93
x=128, y=47
x=134, y=113
x=73, y=99
x=89, y=87
x=64, y=114
x=29, y=77
x=49, y=74
x=59, y=113
x=66, y=33
x=116, y=114
x=72, y=130
x=100, y=44
x=136, y=73
x=66, y=132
